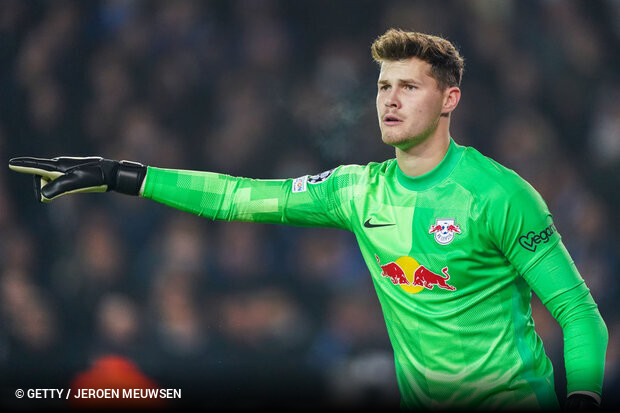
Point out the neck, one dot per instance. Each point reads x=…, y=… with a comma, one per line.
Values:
x=424, y=155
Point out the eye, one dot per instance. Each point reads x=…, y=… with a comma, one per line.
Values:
x=384, y=87
x=410, y=87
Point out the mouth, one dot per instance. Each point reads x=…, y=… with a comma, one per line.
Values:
x=391, y=120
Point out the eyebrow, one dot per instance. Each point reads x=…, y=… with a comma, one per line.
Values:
x=383, y=82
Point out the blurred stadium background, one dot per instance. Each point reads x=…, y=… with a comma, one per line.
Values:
x=243, y=314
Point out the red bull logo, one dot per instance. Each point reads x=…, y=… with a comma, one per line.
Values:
x=413, y=277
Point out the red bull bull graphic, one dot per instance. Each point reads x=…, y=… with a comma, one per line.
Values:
x=413, y=277
x=435, y=228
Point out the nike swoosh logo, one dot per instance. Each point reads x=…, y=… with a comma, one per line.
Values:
x=367, y=224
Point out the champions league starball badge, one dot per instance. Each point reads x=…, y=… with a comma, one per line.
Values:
x=444, y=230
x=317, y=179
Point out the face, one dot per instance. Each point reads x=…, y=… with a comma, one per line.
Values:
x=409, y=102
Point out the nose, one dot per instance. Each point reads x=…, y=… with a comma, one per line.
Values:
x=391, y=100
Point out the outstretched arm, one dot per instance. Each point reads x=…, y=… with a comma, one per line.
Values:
x=224, y=197
x=305, y=201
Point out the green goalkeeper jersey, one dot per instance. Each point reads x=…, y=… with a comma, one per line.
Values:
x=454, y=255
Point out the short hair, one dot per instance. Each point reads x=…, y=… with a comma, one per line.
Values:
x=445, y=60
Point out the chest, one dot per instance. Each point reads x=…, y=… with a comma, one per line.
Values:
x=430, y=224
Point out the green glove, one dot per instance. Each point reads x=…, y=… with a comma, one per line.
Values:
x=68, y=175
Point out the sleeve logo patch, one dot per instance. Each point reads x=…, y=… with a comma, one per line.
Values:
x=531, y=240
x=317, y=179
x=299, y=184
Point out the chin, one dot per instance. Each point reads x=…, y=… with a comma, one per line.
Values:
x=395, y=140
x=402, y=142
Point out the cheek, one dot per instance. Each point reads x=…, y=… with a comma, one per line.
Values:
x=379, y=104
x=417, y=108
x=427, y=106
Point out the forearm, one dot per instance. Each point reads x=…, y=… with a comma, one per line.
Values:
x=224, y=197
x=558, y=284
x=201, y=193
x=585, y=344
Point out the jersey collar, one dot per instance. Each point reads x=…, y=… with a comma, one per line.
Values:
x=436, y=175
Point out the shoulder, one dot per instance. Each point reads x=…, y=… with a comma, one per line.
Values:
x=364, y=174
x=354, y=180
x=486, y=177
x=496, y=190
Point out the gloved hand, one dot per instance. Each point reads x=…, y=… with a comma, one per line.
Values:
x=581, y=402
x=68, y=175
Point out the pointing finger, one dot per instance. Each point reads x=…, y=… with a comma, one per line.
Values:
x=36, y=166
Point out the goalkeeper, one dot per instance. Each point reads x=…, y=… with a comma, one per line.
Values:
x=454, y=242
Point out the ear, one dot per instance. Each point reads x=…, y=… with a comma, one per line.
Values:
x=451, y=97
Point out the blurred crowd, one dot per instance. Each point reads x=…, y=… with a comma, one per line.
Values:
x=244, y=313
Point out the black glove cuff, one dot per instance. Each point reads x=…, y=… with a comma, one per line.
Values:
x=581, y=402
x=129, y=177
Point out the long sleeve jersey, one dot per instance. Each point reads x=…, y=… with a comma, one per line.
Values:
x=454, y=255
